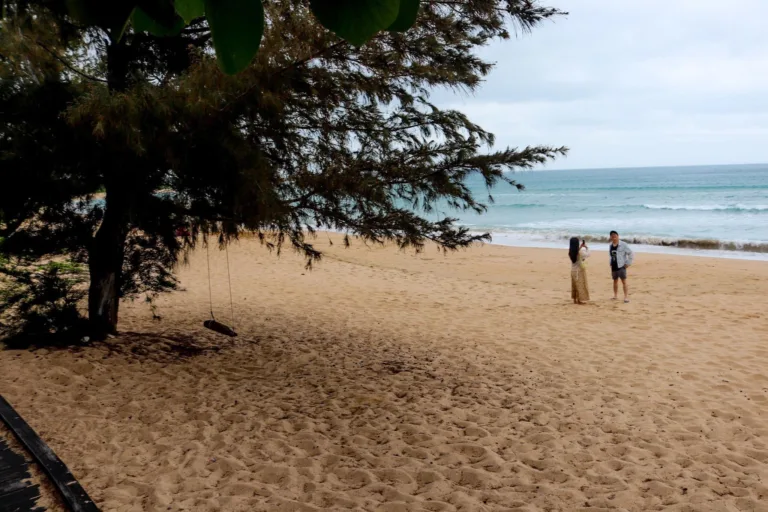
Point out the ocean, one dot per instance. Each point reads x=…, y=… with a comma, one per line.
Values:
x=719, y=211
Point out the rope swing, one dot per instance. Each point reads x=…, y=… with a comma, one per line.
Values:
x=213, y=324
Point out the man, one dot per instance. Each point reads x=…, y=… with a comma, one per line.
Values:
x=621, y=259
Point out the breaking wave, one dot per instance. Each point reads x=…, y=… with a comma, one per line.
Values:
x=687, y=243
x=714, y=207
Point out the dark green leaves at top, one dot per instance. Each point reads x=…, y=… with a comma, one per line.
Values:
x=158, y=17
x=190, y=9
x=237, y=27
x=155, y=16
x=409, y=9
x=142, y=22
x=356, y=21
x=162, y=11
x=111, y=16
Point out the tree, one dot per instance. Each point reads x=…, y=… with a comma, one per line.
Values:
x=314, y=134
x=237, y=25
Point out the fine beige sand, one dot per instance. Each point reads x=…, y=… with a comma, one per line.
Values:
x=386, y=381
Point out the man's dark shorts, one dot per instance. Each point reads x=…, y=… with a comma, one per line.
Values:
x=619, y=274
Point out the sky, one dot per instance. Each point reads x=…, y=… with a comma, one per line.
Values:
x=632, y=83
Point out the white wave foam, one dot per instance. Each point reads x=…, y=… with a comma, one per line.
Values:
x=712, y=207
x=708, y=248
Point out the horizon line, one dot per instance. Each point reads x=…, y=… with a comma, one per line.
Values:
x=624, y=168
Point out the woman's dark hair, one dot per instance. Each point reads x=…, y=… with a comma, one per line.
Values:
x=573, y=250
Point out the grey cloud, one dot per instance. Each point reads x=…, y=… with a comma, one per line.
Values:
x=627, y=83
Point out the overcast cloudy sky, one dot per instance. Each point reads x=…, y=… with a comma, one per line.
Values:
x=633, y=83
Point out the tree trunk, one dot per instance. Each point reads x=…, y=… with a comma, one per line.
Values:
x=105, y=262
x=105, y=255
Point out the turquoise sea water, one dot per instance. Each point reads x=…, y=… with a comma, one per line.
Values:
x=719, y=211
x=704, y=210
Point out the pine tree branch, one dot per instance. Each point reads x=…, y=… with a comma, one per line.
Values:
x=357, y=128
x=293, y=65
x=312, y=57
x=68, y=65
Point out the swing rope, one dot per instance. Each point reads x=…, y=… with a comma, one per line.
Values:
x=229, y=283
x=210, y=293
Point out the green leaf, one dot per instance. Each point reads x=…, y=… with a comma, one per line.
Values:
x=83, y=11
x=237, y=27
x=111, y=16
x=406, y=17
x=165, y=20
x=190, y=9
x=356, y=21
x=118, y=29
x=142, y=22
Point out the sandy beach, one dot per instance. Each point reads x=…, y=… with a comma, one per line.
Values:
x=384, y=380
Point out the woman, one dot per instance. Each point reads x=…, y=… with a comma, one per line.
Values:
x=579, y=287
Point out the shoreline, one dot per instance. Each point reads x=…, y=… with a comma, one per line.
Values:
x=514, y=240
x=511, y=240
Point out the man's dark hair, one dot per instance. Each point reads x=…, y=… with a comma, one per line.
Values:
x=614, y=233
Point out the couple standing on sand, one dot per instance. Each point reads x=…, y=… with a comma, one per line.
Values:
x=621, y=258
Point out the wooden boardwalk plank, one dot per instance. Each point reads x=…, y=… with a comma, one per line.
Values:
x=72, y=492
x=23, y=500
x=17, y=492
x=11, y=486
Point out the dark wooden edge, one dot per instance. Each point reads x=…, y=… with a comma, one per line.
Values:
x=17, y=493
x=71, y=491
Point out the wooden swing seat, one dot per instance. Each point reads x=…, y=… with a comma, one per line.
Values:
x=219, y=327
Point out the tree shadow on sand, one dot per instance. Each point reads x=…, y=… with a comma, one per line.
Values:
x=163, y=347
x=149, y=346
